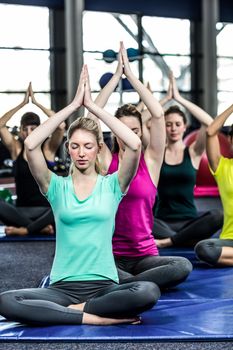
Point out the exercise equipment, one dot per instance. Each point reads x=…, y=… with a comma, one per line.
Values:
x=105, y=79
x=126, y=86
x=6, y=195
x=133, y=54
x=109, y=56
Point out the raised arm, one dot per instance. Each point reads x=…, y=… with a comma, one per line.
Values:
x=169, y=95
x=47, y=111
x=155, y=150
x=54, y=141
x=7, y=138
x=105, y=156
x=212, y=142
x=146, y=116
x=108, y=89
x=129, y=164
x=197, y=112
x=141, y=105
x=34, y=141
x=203, y=117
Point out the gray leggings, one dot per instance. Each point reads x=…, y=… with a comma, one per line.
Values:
x=49, y=306
x=209, y=250
x=34, y=218
x=165, y=271
x=184, y=232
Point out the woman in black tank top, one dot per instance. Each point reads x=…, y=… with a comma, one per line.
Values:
x=32, y=212
x=177, y=221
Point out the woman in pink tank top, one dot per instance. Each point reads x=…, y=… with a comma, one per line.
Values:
x=135, y=251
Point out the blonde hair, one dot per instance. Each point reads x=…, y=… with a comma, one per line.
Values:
x=89, y=125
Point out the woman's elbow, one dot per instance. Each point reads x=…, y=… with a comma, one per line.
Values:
x=161, y=114
x=28, y=144
x=158, y=115
x=62, y=127
x=138, y=145
x=209, y=131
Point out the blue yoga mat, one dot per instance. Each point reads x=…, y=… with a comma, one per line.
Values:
x=199, y=309
x=178, y=320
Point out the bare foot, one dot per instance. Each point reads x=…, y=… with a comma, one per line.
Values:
x=104, y=321
x=163, y=243
x=79, y=307
x=48, y=230
x=16, y=231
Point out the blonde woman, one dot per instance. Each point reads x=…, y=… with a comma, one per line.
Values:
x=84, y=285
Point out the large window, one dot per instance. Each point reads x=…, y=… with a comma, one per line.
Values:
x=225, y=67
x=24, y=57
x=103, y=32
x=165, y=46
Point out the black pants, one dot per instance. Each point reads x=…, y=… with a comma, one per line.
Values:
x=184, y=232
x=209, y=250
x=165, y=271
x=48, y=306
x=33, y=218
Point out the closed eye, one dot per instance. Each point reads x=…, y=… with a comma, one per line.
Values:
x=89, y=146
